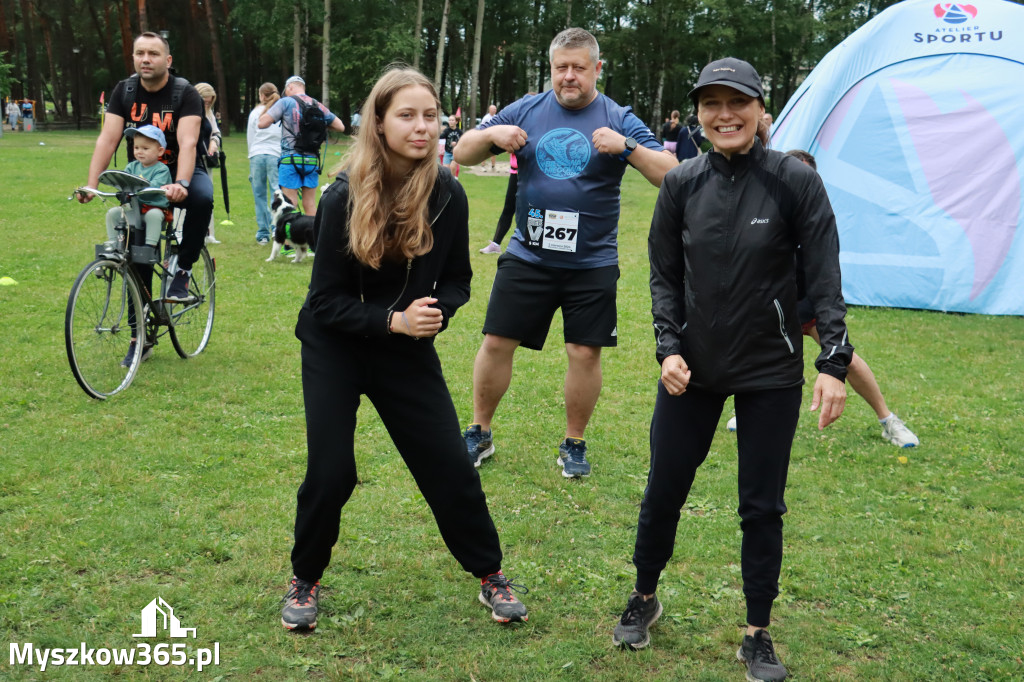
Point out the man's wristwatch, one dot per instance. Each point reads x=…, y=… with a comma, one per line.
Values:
x=184, y=183
x=630, y=146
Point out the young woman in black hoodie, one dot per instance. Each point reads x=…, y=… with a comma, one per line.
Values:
x=392, y=267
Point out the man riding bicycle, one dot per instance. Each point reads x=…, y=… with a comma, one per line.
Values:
x=155, y=97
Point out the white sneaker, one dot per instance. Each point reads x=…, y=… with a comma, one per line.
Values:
x=210, y=239
x=897, y=433
x=731, y=424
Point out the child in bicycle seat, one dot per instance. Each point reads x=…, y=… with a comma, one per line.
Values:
x=148, y=142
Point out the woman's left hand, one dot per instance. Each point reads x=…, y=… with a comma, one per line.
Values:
x=419, y=319
x=830, y=394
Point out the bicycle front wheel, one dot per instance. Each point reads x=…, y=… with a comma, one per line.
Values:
x=192, y=322
x=98, y=328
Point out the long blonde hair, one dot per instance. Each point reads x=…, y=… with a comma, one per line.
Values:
x=388, y=218
x=206, y=90
x=268, y=95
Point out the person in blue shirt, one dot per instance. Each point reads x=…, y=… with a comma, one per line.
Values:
x=298, y=170
x=690, y=140
x=573, y=145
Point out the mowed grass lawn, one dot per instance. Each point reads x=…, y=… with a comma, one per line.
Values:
x=900, y=564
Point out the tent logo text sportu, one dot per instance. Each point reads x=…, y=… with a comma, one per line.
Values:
x=978, y=37
x=954, y=12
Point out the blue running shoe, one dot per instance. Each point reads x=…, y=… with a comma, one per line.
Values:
x=572, y=457
x=479, y=445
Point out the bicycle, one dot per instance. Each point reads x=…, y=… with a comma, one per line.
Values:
x=101, y=319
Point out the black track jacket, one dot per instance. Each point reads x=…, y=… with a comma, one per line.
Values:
x=340, y=300
x=723, y=271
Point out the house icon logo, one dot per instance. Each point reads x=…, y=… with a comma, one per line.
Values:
x=170, y=622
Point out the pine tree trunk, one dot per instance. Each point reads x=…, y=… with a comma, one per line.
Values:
x=418, y=38
x=218, y=70
x=474, y=86
x=440, y=44
x=326, y=67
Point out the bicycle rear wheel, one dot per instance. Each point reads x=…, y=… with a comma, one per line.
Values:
x=98, y=321
x=192, y=322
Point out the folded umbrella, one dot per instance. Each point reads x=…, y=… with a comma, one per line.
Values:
x=224, y=186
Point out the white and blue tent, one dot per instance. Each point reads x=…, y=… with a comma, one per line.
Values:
x=917, y=124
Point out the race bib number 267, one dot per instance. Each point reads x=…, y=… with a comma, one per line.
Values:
x=560, y=231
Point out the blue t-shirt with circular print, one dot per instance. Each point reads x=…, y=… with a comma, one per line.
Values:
x=567, y=204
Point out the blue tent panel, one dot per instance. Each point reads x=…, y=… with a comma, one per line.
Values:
x=918, y=130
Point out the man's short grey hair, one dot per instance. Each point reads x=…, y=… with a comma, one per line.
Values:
x=574, y=39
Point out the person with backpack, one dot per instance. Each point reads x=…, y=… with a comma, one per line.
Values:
x=155, y=96
x=690, y=140
x=304, y=124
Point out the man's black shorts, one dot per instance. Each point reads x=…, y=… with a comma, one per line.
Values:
x=524, y=298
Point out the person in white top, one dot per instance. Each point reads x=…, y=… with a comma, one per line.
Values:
x=210, y=135
x=491, y=111
x=13, y=114
x=264, y=152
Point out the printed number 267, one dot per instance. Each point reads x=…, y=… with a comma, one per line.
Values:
x=560, y=233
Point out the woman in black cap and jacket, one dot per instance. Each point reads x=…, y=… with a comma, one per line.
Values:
x=723, y=287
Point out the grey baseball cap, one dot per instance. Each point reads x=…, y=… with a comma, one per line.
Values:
x=731, y=72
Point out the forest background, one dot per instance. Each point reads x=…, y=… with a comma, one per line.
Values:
x=67, y=52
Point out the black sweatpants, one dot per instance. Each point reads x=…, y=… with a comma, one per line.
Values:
x=508, y=211
x=682, y=429
x=198, y=207
x=403, y=379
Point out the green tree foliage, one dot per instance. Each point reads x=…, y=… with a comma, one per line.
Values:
x=652, y=49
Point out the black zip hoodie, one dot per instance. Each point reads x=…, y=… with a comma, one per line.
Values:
x=723, y=270
x=348, y=297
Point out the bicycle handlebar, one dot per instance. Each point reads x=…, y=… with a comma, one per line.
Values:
x=100, y=193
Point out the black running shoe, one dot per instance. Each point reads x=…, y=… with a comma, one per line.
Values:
x=496, y=593
x=479, y=445
x=299, y=612
x=147, y=351
x=177, y=292
x=758, y=654
x=632, y=629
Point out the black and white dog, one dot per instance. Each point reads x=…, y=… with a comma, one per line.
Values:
x=290, y=226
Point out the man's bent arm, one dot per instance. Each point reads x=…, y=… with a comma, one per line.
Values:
x=265, y=121
x=106, y=144
x=475, y=146
x=336, y=124
x=651, y=164
x=188, y=138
